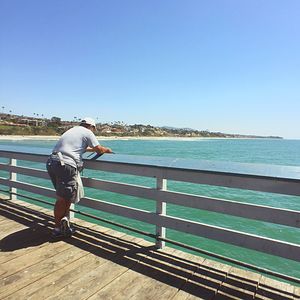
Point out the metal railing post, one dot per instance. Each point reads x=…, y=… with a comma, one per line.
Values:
x=12, y=177
x=161, y=209
x=71, y=213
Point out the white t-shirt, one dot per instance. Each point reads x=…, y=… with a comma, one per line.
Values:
x=73, y=143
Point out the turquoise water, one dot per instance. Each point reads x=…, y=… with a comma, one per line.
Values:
x=261, y=151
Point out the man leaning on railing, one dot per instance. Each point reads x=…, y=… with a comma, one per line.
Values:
x=64, y=165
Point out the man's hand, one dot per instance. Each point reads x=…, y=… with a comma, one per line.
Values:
x=106, y=150
x=101, y=149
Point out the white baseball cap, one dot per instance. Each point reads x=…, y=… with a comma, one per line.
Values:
x=88, y=121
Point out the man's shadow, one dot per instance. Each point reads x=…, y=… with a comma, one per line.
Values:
x=38, y=227
x=24, y=238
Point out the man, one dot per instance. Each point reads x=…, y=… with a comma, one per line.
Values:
x=63, y=166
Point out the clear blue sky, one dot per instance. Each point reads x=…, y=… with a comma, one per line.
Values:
x=222, y=65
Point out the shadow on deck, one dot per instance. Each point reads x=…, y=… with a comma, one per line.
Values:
x=134, y=268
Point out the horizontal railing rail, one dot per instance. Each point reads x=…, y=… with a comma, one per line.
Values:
x=272, y=179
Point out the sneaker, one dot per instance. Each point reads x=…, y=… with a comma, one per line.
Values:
x=56, y=233
x=72, y=230
x=65, y=227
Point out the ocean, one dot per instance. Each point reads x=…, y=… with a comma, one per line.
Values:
x=256, y=151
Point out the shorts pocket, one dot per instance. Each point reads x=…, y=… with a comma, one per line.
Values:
x=67, y=190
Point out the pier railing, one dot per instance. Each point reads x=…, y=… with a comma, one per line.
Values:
x=274, y=179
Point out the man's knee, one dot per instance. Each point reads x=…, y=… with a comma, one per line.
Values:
x=67, y=191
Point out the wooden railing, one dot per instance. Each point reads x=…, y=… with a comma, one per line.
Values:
x=273, y=179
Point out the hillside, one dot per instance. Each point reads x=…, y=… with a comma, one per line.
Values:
x=22, y=125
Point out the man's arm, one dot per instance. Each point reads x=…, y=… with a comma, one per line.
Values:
x=98, y=149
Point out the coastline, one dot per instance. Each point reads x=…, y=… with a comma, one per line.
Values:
x=28, y=137
x=174, y=138
x=55, y=138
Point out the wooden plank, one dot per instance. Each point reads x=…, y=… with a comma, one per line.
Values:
x=182, y=294
x=98, y=259
x=239, y=283
x=55, y=261
x=31, y=258
x=168, y=277
x=141, y=287
x=10, y=255
x=128, y=282
x=23, y=218
x=33, y=273
x=36, y=241
x=8, y=227
x=2, y=220
x=68, y=271
x=39, y=213
x=135, y=284
x=18, y=238
x=100, y=276
x=51, y=283
x=51, y=259
x=296, y=293
x=269, y=288
x=36, y=209
x=205, y=282
x=158, y=275
x=22, y=213
x=29, y=239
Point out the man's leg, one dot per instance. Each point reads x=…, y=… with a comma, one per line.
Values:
x=61, y=209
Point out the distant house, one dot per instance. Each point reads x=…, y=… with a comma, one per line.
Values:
x=32, y=122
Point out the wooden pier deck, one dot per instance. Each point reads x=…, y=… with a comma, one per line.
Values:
x=100, y=263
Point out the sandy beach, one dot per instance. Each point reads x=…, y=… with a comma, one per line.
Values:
x=54, y=138
x=28, y=137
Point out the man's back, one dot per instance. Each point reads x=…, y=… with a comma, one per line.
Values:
x=73, y=143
